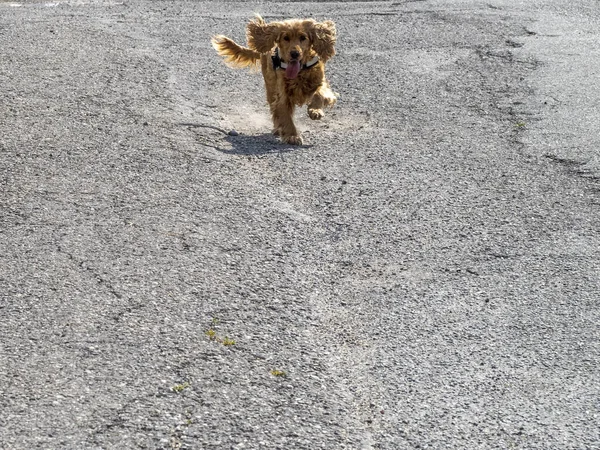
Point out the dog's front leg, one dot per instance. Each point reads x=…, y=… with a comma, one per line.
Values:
x=282, y=111
x=315, y=107
x=324, y=97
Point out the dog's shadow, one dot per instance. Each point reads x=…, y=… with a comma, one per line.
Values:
x=261, y=144
x=246, y=144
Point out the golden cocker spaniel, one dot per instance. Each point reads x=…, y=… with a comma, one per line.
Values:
x=292, y=55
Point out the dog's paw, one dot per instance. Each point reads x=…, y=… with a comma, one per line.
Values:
x=292, y=140
x=316, y=114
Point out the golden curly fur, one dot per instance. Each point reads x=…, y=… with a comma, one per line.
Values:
x=298, y=42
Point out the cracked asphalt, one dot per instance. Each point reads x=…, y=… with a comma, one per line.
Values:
x=423, y=273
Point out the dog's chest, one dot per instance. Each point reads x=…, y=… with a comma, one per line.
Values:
x=302, y=88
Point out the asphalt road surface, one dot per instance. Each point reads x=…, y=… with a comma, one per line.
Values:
x=423, y=273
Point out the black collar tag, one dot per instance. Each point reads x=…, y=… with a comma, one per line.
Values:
x=276, y=59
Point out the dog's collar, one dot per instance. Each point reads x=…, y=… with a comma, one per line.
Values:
x=279, y=64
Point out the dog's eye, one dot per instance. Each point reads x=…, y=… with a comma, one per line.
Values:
x=302, y=38
x=286, y=38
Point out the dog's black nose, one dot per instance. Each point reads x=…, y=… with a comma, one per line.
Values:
x=295, y=54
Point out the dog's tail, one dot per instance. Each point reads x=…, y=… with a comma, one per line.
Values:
x=235, y=55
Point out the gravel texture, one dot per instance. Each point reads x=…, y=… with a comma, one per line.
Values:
x=423, y=273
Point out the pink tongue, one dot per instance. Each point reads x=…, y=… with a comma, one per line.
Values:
x=292, y=69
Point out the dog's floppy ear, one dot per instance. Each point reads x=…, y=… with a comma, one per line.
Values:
x=261, y=35
x=322, y=36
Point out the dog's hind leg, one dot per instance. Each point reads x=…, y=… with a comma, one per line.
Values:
x=324, y=97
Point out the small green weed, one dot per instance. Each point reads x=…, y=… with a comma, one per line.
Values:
x=227, y=342
x=278, y=373
x=212, y=334
x=180, y=387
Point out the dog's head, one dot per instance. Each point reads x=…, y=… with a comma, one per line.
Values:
x=297, y=40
